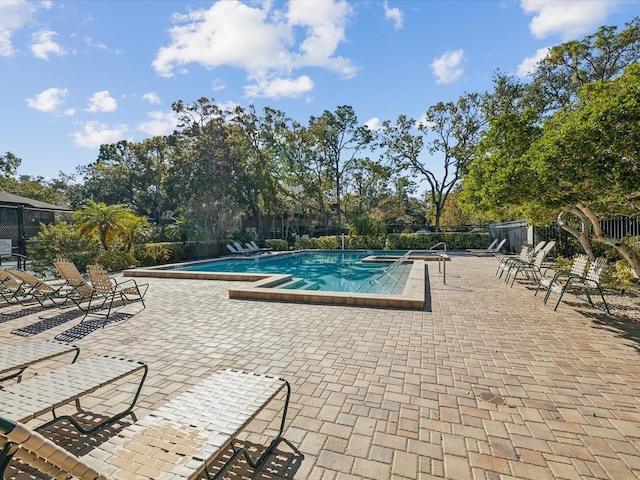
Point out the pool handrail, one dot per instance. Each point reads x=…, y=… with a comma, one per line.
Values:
x=438, y=244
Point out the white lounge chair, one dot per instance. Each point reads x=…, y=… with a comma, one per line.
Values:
x=491, y=245
x=486, y=252
x=253, y=246
x=15, y=359
x=183, y=437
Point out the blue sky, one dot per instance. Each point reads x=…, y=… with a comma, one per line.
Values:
x=78, y=74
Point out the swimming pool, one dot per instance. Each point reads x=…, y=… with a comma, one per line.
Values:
x=412, y=292
x=335, y=271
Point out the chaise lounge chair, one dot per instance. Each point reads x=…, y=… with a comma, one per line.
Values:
x=44, y=393
x=41, y=291
x=486, y=252
x=128, y=290
x=491, y=245
x=15, y=359
x=183, y=437
x=253, y=246
x=233, y=250
x=12, y=290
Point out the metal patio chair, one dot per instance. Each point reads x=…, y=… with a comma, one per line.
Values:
x=586, y=285
x=552, y=277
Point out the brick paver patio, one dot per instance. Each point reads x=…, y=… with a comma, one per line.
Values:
x=489, y=383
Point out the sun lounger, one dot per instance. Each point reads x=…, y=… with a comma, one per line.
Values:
x=253, y=246
x=41, y=291
x=233, y=250
x=43, y=394
x=486, y=252
x=90, y=297
x=177, y=441
x=241, y=249
x=16, y=358
x=12, y=290
x=128, y=290
x=491, y=245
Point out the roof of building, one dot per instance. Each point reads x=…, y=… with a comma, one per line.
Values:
x=11, y=199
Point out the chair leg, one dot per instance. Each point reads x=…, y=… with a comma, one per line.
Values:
x=564, y=289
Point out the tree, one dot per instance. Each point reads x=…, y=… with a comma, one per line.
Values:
x=109, y=222
x=183, y=228
x=579, y=165
x=450, y=130
x=337, y=142
x=253, y=144
x=200, y=179
x=9, y=164
x=587, y=159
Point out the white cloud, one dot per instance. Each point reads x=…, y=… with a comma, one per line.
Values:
x=160, y=123
x=48, y=100
x=529, y=64
x=268, y=44
x=102, y=102
x=393, y=14
x=280, y=87
x=568, y=18
x=43, y=45
x=14, y=14
x=95, y=134
x=152, y=98
x=447, y=68
x=373, y=124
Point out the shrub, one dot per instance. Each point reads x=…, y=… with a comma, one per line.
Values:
x=619, y=276
x=278, y=244
x=304, y=243
x=150, y=254
x=116, y=260
x=364, y=242
x=61, y=240
x=454, y=241
x=329, y=242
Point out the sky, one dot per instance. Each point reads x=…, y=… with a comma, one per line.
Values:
x=78, y=74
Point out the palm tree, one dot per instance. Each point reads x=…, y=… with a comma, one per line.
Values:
x=110, y=222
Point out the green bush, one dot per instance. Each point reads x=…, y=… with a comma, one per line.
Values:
x=60, y=240
x=202, y=250
x=304, y=243
x=116, y=260
x=619, y=276
x=150, y=254
x=329, y=242
x=364, y=242
x=277, y=244
x=454, y=240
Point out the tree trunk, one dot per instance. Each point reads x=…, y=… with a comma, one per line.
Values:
x=628, y=253
x=581, y=235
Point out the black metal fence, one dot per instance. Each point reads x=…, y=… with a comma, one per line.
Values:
x=517, y=233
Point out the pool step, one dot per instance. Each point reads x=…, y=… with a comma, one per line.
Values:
x=300, y=284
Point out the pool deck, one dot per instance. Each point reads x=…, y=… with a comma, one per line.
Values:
x=486, y=382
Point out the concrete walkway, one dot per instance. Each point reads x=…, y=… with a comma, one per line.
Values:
x=487, y=383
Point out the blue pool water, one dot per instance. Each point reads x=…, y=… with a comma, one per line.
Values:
x=332, y=271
